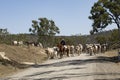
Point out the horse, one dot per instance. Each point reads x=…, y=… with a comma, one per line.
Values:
x=63, y=49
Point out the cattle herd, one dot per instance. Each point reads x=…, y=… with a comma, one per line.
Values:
x=27, y=43
x=60, y=51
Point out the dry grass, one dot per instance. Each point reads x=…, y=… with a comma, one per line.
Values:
x=112, y=56
x=20, y=54
x=111, y=53
x=7, y=70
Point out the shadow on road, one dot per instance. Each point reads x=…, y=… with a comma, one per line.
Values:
x=99, y=59
x=113, y=59
x=108, y=79
x=70, y=75
x=48, y=72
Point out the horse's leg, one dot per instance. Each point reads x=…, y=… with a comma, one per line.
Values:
x=61, y=55
x=68, y=53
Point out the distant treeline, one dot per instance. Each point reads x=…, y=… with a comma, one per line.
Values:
x=107, y=37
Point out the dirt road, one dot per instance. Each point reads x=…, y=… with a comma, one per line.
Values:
x=83, y=67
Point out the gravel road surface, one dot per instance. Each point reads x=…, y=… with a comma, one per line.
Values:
x=83, y=67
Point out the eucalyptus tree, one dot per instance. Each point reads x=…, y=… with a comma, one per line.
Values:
x=4, y=31
x=104, y=13
x=45, y=30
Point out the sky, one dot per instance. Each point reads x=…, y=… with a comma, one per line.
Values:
x=71, y=16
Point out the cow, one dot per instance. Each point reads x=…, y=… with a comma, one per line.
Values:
x=20, y=43
x=77, y=49
x=72, y=50
x=32, y=43
x=51, y=52
x=89, y=49
x=99, y=48
x=95, y=49
x=15, y=43
x=103, y=48
x=81, y=48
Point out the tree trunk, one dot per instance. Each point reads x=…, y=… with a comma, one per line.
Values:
x=119, y=33
x=118, y=25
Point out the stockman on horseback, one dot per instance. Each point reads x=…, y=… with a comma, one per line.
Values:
x=63, y=42
x=63, y=48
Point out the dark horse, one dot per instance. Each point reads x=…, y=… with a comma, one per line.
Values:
x=63, y=50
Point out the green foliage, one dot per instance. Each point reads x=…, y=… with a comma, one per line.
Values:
x=44, y=28
x=3, y=31
x=111, y=37
x=3, y=35
x=114, y=39
x=114, y=36
x=103, y=13
x=101, y=39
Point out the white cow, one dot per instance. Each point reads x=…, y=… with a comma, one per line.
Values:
x=81, y=48
x=51, y=53
x=20, y=43
x=15, y=43
x=77, y=49
x=89, y=49
x=95, y=48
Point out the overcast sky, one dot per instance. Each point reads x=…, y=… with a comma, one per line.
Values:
x=71, y=16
